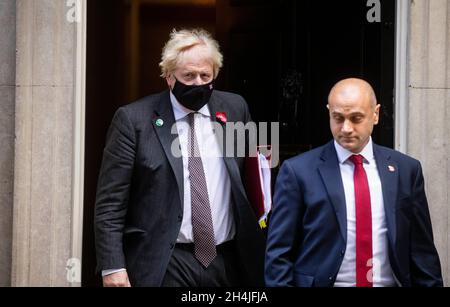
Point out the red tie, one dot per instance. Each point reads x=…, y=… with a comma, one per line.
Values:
x=363, y=224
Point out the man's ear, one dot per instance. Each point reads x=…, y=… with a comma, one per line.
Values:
x=170, y=82
x=377, y=114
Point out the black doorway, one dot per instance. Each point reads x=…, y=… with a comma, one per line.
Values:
x=283, y=56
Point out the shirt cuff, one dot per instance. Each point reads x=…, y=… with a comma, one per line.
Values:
x=109, y=272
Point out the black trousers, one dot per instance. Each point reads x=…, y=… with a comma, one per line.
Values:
x=184, y=270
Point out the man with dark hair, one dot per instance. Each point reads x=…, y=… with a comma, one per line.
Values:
x=351, y=213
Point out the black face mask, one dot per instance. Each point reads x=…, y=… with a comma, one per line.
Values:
x=193, y=97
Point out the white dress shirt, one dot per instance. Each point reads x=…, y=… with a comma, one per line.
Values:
x=216, y=174
x=382, y=271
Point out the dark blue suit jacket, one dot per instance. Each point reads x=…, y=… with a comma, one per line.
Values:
x=308, y=227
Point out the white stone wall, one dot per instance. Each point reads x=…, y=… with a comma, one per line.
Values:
x=7, y=103
x=42, y=216
x=429, y=111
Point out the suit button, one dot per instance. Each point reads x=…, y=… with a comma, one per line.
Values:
x=342, y=252
x=330, y=278
x=172, y=246
x=180, y=218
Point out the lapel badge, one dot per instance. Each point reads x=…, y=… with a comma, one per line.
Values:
x=159, y=122
x=221, y=117
x=391, y=168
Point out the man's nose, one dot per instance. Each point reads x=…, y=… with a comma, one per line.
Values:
x=198, y=80
x=347, y=127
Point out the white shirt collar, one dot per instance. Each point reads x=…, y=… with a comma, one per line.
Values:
x=180, y=111
x=343, y=154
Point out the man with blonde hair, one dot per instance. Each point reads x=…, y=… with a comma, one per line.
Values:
x=168, y=219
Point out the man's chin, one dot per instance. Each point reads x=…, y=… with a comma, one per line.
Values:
x=349, y=145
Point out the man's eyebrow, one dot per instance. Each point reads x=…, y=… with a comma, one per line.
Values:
x=357, y=113
x=336, y=113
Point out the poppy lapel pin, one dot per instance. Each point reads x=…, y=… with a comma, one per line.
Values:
x=222, y=117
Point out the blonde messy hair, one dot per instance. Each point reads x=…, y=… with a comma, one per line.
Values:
x=183, y=40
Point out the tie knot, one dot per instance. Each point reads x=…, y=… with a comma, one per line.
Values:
x=357, y=159
x=191, y=117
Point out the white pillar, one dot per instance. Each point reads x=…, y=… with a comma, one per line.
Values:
x=429, y=111
x=47, y=106
x=7, y=93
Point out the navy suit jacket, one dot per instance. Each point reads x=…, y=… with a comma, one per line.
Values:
x=139, y=205
x=308, y=227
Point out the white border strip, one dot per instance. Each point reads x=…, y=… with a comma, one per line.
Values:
x=79, y=138
x=401, y=75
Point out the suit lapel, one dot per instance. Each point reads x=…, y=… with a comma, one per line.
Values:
x=164, y=112
x=331, y=176
x=217, y=105
x=388, y=171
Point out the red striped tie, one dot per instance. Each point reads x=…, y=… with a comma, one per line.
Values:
x=364, y=276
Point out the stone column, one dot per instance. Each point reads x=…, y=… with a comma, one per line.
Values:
x=7, y=99
x=44, y=147
x=429, y=111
